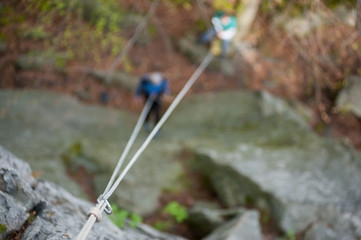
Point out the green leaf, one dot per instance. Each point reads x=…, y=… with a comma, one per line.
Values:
x=177, y=211
x=2, y=228
x=135, y=220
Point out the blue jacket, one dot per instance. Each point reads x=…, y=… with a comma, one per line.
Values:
x=147, y=88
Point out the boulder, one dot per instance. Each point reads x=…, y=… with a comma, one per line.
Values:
x=349, y=98
x=204, y=217
x=56, y=134
x=40, y=60
x=274, y=161
x=3, y=46
x=47, y=211
x=243, y=227
x=117, y=79
x=196, y=53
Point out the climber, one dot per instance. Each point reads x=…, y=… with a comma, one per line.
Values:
x=224, y=27
x=153, y=85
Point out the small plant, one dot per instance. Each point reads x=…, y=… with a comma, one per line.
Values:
x=177, y=211
x=291, y=235
x=119, y=217
x=2, y=228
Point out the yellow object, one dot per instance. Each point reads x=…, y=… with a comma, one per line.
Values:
x=216, y=47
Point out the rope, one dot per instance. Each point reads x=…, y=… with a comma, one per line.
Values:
x=176, y=101
x=102, y=201
x=131, y=140
x=94, y=215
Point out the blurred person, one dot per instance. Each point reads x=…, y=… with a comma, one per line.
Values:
x=152, y=85
x=224, y=27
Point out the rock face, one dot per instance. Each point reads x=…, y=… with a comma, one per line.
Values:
x=119, y=79
x=49, y=130
x=349, y=98
x=58, y=214
x=277, y=164
x=196, y=53
x=241, y=227
x=254, y=148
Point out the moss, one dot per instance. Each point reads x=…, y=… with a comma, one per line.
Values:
x=2, y=228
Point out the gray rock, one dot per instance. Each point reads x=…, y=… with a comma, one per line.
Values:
x=278, y=164
x=243, y=227
x=196, y=53
x=306, y=22
x=349, y=98
x=40, y=60
x=3, y=46
x=47, y=125
x=61, y=215
x=204, y=217
x=118, y=79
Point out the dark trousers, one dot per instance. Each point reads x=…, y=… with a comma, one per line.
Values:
x=155, y=110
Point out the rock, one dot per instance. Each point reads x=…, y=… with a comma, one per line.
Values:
x=17, y=197
x=278, y=164
x=243, y=227
x=118, y=79
x=204, y=217
x=196, y=53
x=3, y=46
x=101, y=134
x=40, y=60
x=306, y=22
x=253, y=147
x=349, y=98
x=59, y=215
x=346, y=15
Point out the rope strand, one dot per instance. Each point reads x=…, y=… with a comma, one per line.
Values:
x=131, y=140
x=103, y=198
x=176, y=101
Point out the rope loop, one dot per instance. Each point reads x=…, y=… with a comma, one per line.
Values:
x=96, y=212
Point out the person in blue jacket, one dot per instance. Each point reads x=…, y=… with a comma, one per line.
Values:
x=153, y=85
x=224, y=27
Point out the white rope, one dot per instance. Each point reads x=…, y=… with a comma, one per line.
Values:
x=176, y=101
x=94, y=215
x=131, y=140
x=103, y=203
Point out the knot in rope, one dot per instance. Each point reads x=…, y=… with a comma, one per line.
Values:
x=96, y=212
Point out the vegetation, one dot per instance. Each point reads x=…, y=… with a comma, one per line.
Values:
x=2, y=228
x=176, y=215
x=119, y=217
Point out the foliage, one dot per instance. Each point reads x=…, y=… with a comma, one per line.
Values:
x=162, y=225
x=83, y=29
x=291, y=235
x=120, y=216
x=179, y=3
x=36, y=33
x=2, y=228
x=177, y=211
x=335, y=3
x=222, y=5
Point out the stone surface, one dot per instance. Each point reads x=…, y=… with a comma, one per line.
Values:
x=196, y=53
x=59, y=215
x=349, y=98
x=118, y=79
x=253, y=147
x=47, y=128
x=243, y=227
x=40, y=60
x=273, y=160
x=204, y=217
